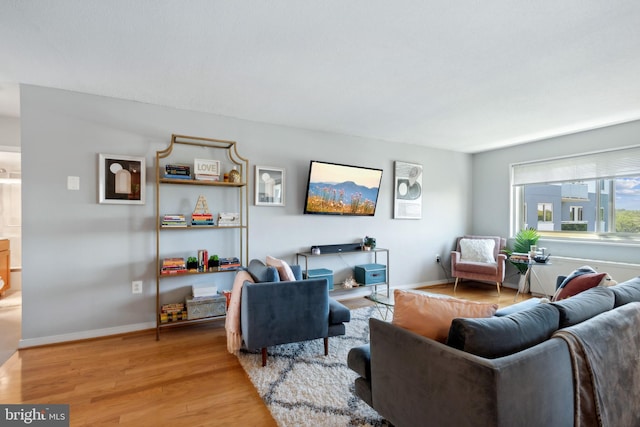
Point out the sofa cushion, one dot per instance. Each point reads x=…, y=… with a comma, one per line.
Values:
x=262, y=273
x=584, y=306
x=284, y=270
x=522, y=305
x=626, y=292
x=478, y=250
x=500, y=336
x=431, y=316
x=578, y=284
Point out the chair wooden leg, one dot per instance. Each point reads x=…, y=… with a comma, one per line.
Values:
x=326, y=346
x=455, y=284
x=498, y=285
x=264, y=356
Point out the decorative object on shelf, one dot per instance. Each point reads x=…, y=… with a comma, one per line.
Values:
x=228, y=219
x=350, y=282
x=206, y=170
x=201, y=214
x=234, y=175
x=407, y=191
x=369, y=243
x=214, y=263
x=315, y=250
x=192, y=263
x=269, y=186
x=122, y=179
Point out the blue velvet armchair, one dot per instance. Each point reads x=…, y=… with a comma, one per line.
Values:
x=277, y=312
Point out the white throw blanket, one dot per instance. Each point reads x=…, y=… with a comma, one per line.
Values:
x=232, y=322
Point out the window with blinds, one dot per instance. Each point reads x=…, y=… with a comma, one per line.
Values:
x=593, y=194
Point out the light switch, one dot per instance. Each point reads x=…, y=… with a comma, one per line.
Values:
x=73, y=183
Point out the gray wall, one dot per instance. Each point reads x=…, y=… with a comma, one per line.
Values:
x=80, y=257
x=491, y=191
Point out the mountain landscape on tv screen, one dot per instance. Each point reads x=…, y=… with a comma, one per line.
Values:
x=346, y=198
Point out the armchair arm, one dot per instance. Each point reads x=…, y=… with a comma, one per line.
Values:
x=502, y=259
x=455, y=259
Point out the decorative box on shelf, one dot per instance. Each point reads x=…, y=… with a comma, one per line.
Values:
x=200, y=307
x=320, y=273
x=370, y=274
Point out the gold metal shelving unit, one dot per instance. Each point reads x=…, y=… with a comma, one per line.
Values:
x=210, y=147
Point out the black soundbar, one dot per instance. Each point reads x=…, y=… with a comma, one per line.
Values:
x=332, y=249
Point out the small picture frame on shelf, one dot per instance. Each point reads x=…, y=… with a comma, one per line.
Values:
x=121, y=179
x=269, y=186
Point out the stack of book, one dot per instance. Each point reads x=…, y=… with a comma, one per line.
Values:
x=174, y=220
x=232, y=263
x=207, y=170
x=519, y=257
x=177, y=171
x=173, y=266
x=201, y=218
x=172, y=312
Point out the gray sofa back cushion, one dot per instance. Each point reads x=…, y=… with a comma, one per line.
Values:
x=584, y=306
x=626, y=292
x=500, y=336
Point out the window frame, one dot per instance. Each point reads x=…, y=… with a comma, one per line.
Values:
x=612, y=164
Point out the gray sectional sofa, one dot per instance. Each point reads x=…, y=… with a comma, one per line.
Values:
x=522, y=369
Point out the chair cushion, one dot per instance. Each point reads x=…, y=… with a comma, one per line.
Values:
x=431, y=316
x=477, y=267
x=500, y=336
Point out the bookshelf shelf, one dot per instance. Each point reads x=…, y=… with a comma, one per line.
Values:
x=173, y=194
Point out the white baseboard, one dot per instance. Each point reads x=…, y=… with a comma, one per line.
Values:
x=83, y=335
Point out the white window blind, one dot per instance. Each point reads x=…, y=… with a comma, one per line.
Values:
x=605, y=164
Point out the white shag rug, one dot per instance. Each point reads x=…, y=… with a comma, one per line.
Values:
x=303, y=387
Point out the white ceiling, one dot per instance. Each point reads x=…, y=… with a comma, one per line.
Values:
x=464, y=75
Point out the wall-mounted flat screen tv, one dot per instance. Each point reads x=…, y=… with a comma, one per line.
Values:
x=334, y=189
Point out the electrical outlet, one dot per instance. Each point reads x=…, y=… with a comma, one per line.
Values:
x=136, y=287
x=438, y=259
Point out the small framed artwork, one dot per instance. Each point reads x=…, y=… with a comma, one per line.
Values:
x=121, y=179
x=407, y=191
x=269, y=186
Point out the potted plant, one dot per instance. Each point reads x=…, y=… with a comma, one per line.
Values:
x=522, y=242
x=369, y=243
x=192, y=263
x=213, y=263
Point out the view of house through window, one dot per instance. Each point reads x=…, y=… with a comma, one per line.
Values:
x=601, y=201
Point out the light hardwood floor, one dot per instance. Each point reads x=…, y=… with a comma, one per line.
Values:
x=186, y=379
